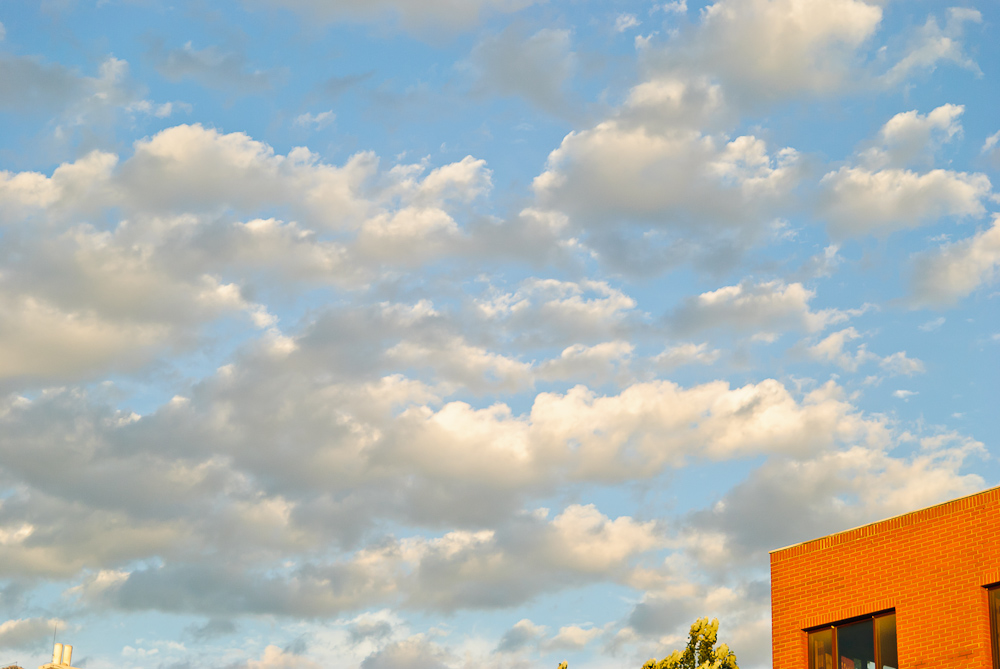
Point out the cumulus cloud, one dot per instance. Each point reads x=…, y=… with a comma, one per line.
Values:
x=613, y=173
x=859, y=201
x=572, y=637
x=276, y=658
x=953, y=271
x=416, y=652
x=151, y=280
x=882, y=195
x=788, y=501
x=831, y=349
x=522, y=634
x=764, y=49
x=761, y=307
x=28, y=633
x=598, y=362
x=81, y=103
x=459, y=570
x=537, y=67
x=911, y=136
x=686, y=354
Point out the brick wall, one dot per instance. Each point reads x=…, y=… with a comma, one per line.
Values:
x=929, y=565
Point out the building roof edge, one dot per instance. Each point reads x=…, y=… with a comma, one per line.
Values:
x=957, y=500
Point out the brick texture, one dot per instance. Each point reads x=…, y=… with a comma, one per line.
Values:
x=929, y=565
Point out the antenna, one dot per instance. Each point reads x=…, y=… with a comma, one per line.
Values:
x=54, y=628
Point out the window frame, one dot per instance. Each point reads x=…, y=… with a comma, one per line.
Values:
x=857, y=619
x=993, y=603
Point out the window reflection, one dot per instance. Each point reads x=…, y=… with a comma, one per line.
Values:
x=885, y=633
x=856, y=646
x=865, y=644
x=821, y=649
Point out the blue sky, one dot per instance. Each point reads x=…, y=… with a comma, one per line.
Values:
x=449, y=333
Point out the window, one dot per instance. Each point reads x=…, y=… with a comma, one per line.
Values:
x=994, y=596
x=869, y=643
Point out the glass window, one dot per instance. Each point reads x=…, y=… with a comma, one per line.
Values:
x=869, y=643
x=885, y=634
x=821, y=649
x=856, y=645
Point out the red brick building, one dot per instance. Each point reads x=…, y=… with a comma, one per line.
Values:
x=914, y=591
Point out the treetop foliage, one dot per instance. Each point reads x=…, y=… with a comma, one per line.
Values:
x=701, y=652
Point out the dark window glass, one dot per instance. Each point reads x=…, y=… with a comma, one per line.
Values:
x=856, y=646
x=866, y=644
x=995, y=624
x=885, y=633
x=821, y=649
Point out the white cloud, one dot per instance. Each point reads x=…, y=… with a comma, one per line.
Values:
x=899, y=364
x=537, y=67
x=687, y=354
x=933, y=44
x=932, y=325
x=276, y=658
x=578, y=361
x=572, y=637
x=909, y=136
x=767, y=49
x=615, y=173
x=831, y=349
x=26, y=633
x=858, y=201
x=788, y=501
x=625, y=21
x=991, y=142
x=522, y=634
x=945, y=276
x=317, y=121
x=904, y=394
x=765, y=306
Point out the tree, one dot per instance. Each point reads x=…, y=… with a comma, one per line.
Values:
x=701, y=652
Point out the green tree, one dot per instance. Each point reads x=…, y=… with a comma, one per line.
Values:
x=701, y=652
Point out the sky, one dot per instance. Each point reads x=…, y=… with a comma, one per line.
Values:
x=440, y=334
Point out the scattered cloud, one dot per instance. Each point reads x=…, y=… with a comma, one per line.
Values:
x=214, y=68
x=425, y=17
x=934, y=44
x=953, y=271
x=317, y=121
x=624, y=22
x=537, y=68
